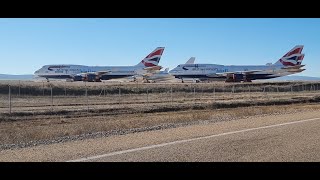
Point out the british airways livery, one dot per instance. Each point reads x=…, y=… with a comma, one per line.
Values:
x=288, y=64
x=98, y=73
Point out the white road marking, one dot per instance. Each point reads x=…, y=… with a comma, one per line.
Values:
x=187, y=140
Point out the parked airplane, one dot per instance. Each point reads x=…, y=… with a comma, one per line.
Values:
x=290, y=63
x=98, y=73
x=157, y=75
x=160, y=76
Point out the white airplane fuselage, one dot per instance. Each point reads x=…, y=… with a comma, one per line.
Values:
x=97, y=73
x=214, y=71
x=69, y=71
x=289, y=63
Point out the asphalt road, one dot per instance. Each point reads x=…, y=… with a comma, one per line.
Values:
x=291, y=137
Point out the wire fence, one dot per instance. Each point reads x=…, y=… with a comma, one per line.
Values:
x=48, y=98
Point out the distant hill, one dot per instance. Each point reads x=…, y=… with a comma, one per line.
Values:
x=16, y=77
x=295, y=78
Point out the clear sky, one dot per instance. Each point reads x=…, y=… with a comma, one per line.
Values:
x=28, y=44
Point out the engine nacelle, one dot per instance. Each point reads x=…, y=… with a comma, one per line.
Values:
x=87, y=77
x=234, y=78
x=77, y=78
x=91, y=77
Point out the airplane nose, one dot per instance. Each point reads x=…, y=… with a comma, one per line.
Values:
x=37, y=72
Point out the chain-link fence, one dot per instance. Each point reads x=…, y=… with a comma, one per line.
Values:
x=83, y=98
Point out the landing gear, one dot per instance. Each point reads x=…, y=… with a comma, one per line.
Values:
x=245, y=78
x=238, y=78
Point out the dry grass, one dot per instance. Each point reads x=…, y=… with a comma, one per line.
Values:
x=75, y=105
x=25, y=131
x=33, y=117
x=78, y=88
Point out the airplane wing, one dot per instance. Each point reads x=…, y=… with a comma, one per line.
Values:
x=145, y=73
x=97, y=74
x=100, y=73
x=233, y=76
x=225, y=74
x=293, y=67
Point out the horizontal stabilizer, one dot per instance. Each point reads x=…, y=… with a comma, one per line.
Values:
x=293, y=67
x=152, y=68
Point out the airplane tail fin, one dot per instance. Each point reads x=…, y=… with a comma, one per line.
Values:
x=300, y=58
x=191, y=60
x=292, y=58
x=153, y=58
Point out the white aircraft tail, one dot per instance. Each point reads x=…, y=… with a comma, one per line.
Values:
x=292, y=58
x=152, y=59
x=191, y=60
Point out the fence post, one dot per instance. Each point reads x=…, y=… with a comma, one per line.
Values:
x=194, y=94
x=19, y=88
x=266, y=92
x=87, y=100
x=148, y=95
x=119, y=95
x=9, y=99
x=51, y=98
x=65, y=89
x=171, y=95
x=42, y=88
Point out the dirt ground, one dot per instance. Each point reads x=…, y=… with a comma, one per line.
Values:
x=38, y=115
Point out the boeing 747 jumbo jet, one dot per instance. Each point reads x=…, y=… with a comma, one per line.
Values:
x=98, y=73
x=288, y=64
x=157, y=75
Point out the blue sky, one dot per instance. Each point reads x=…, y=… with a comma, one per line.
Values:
x=28, y=44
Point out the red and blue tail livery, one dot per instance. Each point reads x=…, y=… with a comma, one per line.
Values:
x=153, y=58
x=293, y=57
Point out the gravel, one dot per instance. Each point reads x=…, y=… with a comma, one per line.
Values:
x=117, y=132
